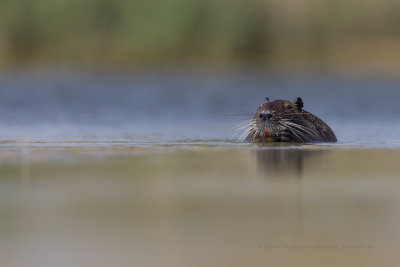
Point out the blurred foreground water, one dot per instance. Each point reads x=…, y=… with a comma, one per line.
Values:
x=144, y=170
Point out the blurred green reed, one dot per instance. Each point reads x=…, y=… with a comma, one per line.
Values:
x=143, y=32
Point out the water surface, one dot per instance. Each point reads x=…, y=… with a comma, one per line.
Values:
x=184, y=106
x=144, y=170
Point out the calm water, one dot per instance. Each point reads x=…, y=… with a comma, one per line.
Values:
x=184, y=107
x=144, y=170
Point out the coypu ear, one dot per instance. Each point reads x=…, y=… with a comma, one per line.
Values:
x=298, y=102
x=266, y=100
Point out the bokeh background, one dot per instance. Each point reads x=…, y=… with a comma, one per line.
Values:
x=336, y=35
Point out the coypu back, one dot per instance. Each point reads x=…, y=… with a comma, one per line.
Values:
x=325, y=132
x=285, y=121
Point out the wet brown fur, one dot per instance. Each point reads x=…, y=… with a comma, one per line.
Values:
x=288, y=122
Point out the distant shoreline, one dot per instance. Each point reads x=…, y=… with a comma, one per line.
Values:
x=209, y=34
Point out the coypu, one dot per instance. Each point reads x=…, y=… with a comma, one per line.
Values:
x=285, y=121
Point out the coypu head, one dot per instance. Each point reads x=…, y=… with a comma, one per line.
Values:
x=285, y=121
x=279, y=120
x=272, y=117
x=269, y=113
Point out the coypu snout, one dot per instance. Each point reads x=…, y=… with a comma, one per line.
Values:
x=264, y=116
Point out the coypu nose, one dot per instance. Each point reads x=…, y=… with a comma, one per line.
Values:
x=265, y=116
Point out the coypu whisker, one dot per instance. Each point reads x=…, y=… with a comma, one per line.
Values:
x=311, y=131
x=245, y=128
x=298, y=133
x=307, y=135
x=302, y=137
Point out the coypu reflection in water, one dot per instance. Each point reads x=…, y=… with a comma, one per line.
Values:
x=285, y=121
x=276, y=160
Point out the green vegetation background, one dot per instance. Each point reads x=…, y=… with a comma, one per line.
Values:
x=140, y=33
